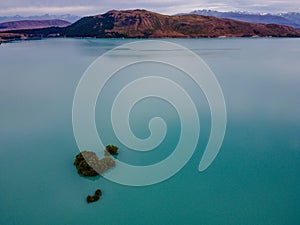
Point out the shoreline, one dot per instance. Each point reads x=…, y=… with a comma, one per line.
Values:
x=22, y=37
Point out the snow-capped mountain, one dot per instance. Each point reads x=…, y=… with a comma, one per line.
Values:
x=292, y=16
x=289, y=19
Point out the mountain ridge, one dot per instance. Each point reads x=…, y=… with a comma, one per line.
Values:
x=145, y=24
x=288, y=19
x=32, y=24
x=67, y=17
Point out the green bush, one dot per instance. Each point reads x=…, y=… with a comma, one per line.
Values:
x=113, y=150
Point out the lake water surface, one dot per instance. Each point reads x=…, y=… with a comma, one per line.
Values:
x=255, y=179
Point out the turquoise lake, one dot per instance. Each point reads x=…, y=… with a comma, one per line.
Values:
x=255, y=178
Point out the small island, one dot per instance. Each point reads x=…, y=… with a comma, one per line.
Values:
x=111, y=149
x=89, y=165
x=95, y=197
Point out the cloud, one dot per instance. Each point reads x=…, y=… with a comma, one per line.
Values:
x=90, y=7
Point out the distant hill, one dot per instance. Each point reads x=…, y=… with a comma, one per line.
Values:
x=145, y=24
x=287, y=19
x=32, y=24
x=67, y=17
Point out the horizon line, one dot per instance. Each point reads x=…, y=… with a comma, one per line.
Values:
x=61, y=13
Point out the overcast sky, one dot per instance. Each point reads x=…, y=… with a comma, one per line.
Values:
x=91, y=7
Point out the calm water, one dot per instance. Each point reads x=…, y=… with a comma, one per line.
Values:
x=254, y=180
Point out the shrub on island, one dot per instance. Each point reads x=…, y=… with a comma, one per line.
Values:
x=111, y=149
x=88, y=164
x=95, y=197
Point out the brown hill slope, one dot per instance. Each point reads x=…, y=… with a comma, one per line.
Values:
x=142, y=23
x=145, y=24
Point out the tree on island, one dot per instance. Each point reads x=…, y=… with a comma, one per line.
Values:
x=88, y=164
x=113, y=150
x=95, y=197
